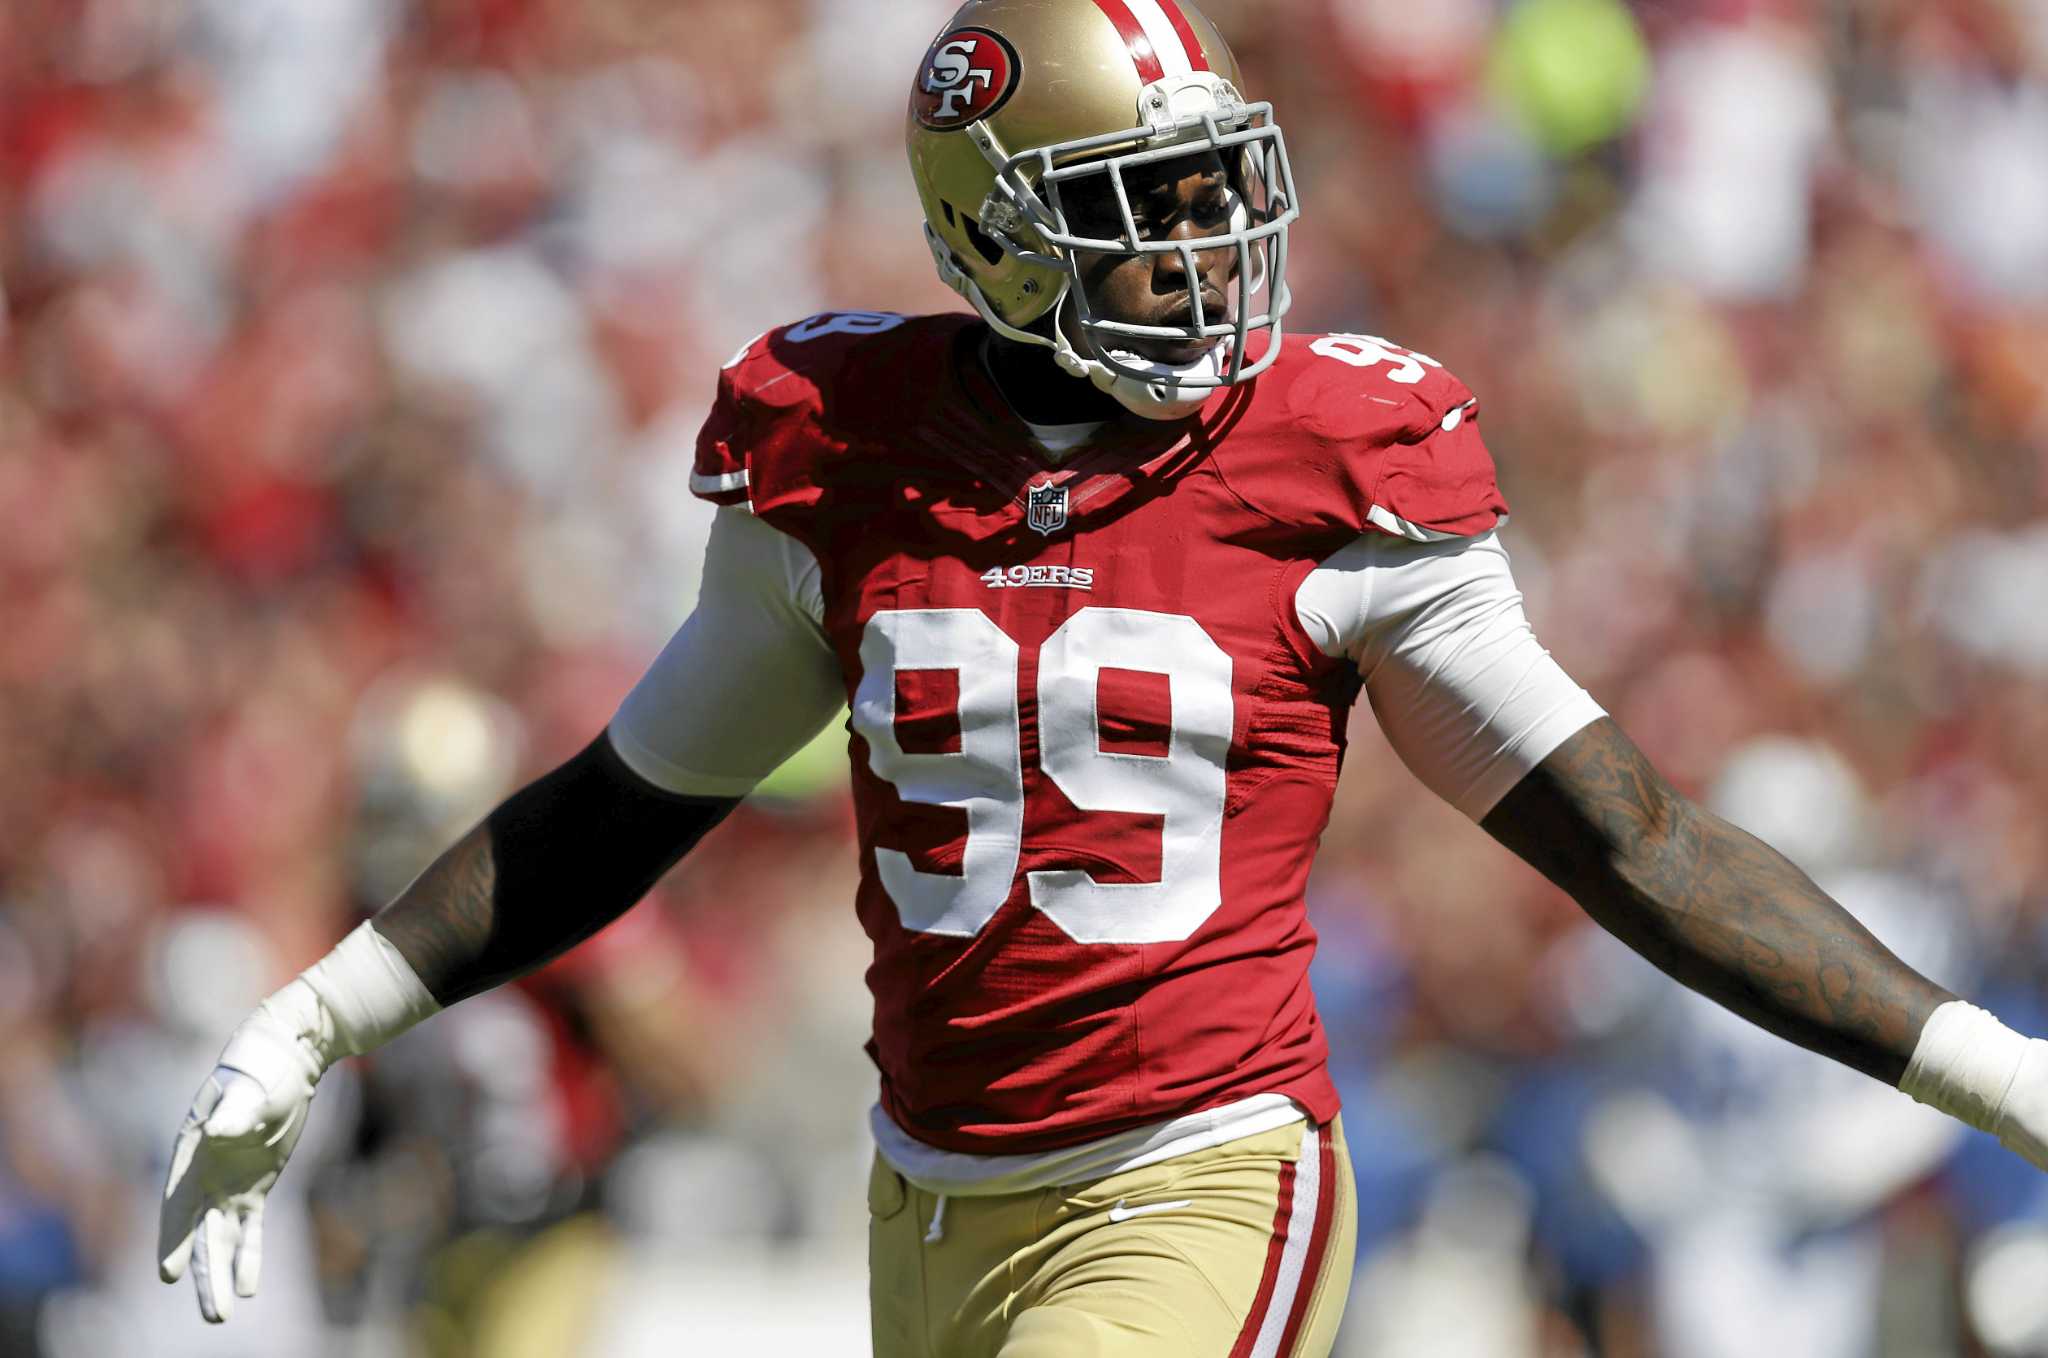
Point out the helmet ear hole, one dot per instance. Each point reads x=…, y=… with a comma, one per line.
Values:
x=979, y=239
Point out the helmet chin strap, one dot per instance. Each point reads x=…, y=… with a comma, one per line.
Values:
x=1162, y=394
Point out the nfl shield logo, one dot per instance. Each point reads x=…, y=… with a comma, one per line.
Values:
x=1046, y=508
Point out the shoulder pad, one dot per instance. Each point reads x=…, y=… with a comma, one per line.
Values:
x=780, y=382
x=1399, y=433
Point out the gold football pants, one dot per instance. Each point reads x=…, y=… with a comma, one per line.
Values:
x=1243, y=1250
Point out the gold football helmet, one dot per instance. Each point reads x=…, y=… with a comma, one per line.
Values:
x=1018, y=102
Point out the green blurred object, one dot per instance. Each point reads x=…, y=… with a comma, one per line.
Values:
x=816, y=769
x=1574, y=72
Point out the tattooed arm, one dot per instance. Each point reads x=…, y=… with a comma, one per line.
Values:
x=1484, y=716
x=1724, y=913
x=556, y=862
x=1712, y=906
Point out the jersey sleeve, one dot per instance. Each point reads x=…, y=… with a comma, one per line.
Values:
x=1436, y=479
x=720, y=473
x=1465, y=693
x=771, y=422
x=1397, y=435
x=748, y=679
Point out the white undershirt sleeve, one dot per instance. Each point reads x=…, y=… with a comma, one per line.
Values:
x=1466, y=695
x=749, y=678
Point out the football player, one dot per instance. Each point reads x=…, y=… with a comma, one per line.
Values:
x=1100, y=568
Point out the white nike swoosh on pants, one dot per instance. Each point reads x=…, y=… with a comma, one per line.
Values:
x=1123, y=1213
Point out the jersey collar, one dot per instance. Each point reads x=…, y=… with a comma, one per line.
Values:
x=996, y=445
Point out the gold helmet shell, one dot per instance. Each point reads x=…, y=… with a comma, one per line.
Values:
x=1016, y=99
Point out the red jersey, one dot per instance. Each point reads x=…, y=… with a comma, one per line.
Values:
x=1092, y=747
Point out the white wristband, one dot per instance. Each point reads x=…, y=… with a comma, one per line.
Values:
x=358, y=997
x=370, y=992
x=1974, y=1068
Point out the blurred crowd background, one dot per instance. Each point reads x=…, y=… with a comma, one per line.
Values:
x=350, y=359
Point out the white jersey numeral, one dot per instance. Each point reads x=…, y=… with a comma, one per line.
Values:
x=1185, y=786
x=984, y=777
x=1363, y=351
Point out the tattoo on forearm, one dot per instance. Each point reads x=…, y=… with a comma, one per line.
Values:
x=1713, y=906
x=443, y=922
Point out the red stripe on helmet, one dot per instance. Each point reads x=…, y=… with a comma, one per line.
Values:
x=1196, y=57
x=1133, y=34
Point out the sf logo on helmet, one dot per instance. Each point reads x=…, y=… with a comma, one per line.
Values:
x=967, y=75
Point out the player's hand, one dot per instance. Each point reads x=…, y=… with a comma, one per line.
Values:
x=241, y=1129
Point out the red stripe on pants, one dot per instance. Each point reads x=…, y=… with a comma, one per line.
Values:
x=1275, y=1247
x=1318, y=1245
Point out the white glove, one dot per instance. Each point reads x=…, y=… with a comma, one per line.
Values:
x=249, y=1113
x=242, y=1127
x=1973, y=1067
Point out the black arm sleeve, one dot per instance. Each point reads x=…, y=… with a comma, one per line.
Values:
x=554, y=863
